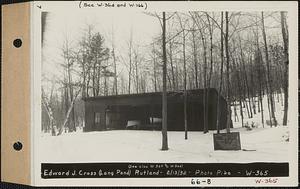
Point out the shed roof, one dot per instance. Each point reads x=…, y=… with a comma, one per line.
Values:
x=153, y=94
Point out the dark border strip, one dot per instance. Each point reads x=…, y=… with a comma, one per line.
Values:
x=162, y=170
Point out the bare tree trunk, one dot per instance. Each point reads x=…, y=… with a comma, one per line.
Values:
x=98, y=78
x=172, y=66
x=241, y=111
x=185, y=93
x=105, y=80
x=164, y=93
x=236, y=117
x=260, y=93
x=115, y=88
x=211, y=49
x=227, y=73
x=177, y=76
x=123, y=85
x=239, y=88
x=49, y=111
x=205, y=129
x=170, y=82
x=210, y=71
x=269, y=81
x=67, y=56
x=136, y=72
x=69, y=112
x=143, y=85
x=259, y=66
x=154, y=69
x=130, y=63
x=195, y=60
x=83, y=74
x=184, y=82
x=284, y=30
x=94, y=79
x=88, y=84
x=253, y=91
x=246, y=79
x=66, y=100
x=84, y=85
x=221, y=79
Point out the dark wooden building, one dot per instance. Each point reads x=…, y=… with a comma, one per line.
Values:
x=144, y=111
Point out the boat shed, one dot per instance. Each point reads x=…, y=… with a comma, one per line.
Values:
x=144, y=111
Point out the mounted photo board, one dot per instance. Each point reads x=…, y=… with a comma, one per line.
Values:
x=84, y=101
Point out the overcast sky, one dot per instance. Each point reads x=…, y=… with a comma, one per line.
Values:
x=144, y=28
x=61, y=25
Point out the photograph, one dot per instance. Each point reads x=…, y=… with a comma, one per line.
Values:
x=188, y=87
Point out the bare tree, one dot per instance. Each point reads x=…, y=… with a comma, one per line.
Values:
x=227, y=74
x=196, y=17
x=164, y=93
x=136, y=64
x=130, y=62
x=185, y=73
x=69, y=111
x=242, y=60
x=115, y=63
x=210, y=29
x=269, y=81
x=171, y=46
x=48, y=108
x=284, y=30
x=221, y=74
x=154, y=69
x=195, y=56
x=259, y=67
x=69, y=60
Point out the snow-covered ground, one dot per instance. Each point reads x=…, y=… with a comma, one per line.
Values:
x=258, y=144
x=144, y=146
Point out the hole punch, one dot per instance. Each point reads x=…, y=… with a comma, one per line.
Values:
x=18, y=146
x=17, y=43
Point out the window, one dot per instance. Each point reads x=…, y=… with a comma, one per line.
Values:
x=97, y=117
